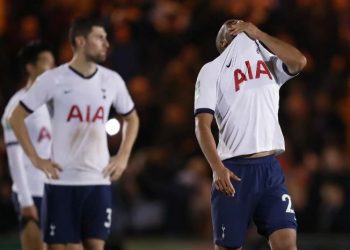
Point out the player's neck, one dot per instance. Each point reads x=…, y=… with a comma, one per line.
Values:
x=84, y=67
x=30, y=82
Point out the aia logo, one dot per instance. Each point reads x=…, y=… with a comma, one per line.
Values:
x=44, y=134
x=240, y=76
x=85, y=115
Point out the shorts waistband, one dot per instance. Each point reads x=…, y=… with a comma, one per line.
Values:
x=258, y=160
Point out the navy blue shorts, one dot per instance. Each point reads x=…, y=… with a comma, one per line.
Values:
x=75, y=213
x=261, y=195
x=23, y=221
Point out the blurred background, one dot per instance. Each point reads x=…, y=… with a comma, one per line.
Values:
x=158, y=47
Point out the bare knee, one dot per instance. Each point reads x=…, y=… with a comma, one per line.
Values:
x=283, y=239
x=31, y=237
x=93, y=244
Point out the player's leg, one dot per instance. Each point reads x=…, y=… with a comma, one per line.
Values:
x=65, y=247
x=274, y=214
x=224, y=248
x=231, y=215
x=94, y=244
x=283, y=239
x=30, y=232
x=31, y=237
x=96, y=216
x=61, y=216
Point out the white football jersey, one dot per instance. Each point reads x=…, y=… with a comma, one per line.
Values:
x=27, y=179
x=241, y=89
x=80, y=107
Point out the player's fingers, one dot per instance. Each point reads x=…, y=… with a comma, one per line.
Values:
x=54, y=173
x=229, y=187
x=220, y=185
x=55, y=165
x=234, y=177
x=108, y=170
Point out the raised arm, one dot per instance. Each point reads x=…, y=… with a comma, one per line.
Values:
x=290, y=56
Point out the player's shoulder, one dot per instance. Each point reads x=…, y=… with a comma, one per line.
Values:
x=110, y=76
x=15, y=98
x=53, y=75
x=210, y=69
x=107, y=72
x=12, y=103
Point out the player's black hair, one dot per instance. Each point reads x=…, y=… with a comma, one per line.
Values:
x=82, y=26
x=30, y=52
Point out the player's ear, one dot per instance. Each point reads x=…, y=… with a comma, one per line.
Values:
x=223, y=43
x=30, y=68
x=79, y=41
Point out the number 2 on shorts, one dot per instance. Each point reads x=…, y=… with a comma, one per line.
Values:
x=289, y=209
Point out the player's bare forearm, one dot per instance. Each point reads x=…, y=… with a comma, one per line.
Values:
x=206, y=140
x=119, y=162
x=19, y=128
x=221, y=174
x=129, y=133
x=291, y=56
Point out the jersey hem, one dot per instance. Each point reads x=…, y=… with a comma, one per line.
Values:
x=285, y=68
x=204, y=110
x=25, y=107
x=127, y=113
x=72, y=183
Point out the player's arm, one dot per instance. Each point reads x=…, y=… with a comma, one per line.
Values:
x=206, y=141
x=290, y=56
x=19, y=128
x=119, y=162
x=15, y=158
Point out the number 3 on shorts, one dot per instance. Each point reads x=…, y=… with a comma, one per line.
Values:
x=289, y=209
x=109, y=218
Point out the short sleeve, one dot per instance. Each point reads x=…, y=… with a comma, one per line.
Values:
x=9, y=135
x=276, y=66
x=39, y=93
x=122, y=101
x=205, y=91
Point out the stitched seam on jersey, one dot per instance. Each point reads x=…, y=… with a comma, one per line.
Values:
x=127, y=113
x=11, y=143
x=25, y=107
x=204, y=110
x=81, y=75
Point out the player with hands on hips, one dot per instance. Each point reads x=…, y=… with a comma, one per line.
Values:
x=78, y=199
x=28, y=182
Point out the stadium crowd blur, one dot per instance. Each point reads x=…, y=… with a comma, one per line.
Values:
x=158, y=47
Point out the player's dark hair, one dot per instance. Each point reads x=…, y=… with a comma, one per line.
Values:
x=82, y=26
x=30, y=52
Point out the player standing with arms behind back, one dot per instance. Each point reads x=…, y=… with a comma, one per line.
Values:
x=77, y=200
x=28, y=181
x=241, y=89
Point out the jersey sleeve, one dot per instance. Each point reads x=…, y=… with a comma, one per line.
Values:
x=39, y=93
x=122, y=101
x=205, y=92
x=9, y=135
x=276, y=66
x=15, y=156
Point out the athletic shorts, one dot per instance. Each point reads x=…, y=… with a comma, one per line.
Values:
x=22, y=220
x=75, y=213
x=261, y=195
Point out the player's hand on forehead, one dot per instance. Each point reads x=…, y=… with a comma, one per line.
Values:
x=235, y=27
